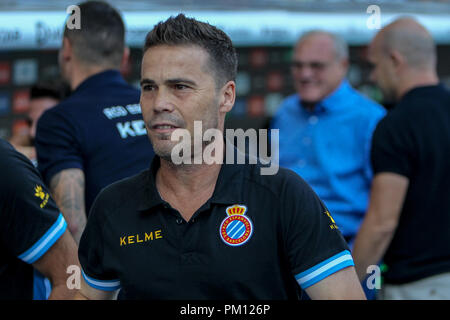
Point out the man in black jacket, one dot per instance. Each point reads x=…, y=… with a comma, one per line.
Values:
x=408, y=220
x=33, y=232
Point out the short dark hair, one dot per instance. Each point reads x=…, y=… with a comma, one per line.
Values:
x=181, y=30
x=100, y=40
x=50, y=89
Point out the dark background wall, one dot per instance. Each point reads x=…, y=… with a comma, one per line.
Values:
x=263, y=81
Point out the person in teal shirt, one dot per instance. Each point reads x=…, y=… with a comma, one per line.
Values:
x=326, y=129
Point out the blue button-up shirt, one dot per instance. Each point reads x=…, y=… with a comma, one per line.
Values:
x=329, y=147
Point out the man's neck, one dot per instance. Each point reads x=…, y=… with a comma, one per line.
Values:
x=310, y=106
x=82, y=73
x=186, y=177
x=416, y=79
x=186, y=187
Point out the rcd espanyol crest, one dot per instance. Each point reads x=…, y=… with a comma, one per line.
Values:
x=236, y=229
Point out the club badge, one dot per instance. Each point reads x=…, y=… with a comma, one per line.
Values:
x=236, y=229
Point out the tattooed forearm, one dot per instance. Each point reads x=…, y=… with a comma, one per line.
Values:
x=67, y=188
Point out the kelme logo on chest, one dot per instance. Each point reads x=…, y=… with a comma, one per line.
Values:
x=140, y=238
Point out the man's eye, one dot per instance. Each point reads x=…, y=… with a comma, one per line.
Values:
x=180, y=87
x=318, y=65
x=148, y=87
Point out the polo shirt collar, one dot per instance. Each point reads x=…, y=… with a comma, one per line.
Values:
x=99, y=79
x=338, y=97
x=230, y=182
x=335, y=99
x=151, y=197
x=421, y=89
x=228, y=190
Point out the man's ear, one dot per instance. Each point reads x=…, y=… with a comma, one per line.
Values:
x=125, y=58
x=227, y=97
x=397, y=59
x=66, y=50
x=344, y=64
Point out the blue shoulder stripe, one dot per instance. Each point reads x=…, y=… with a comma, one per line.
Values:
x=45, y=242
x=105, y=285
x=322, y=270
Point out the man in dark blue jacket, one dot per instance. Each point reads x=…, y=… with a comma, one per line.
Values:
x=97, y=135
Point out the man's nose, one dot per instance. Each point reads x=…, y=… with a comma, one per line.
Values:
x=308, y=71
x=163, y=102
x=305, y=71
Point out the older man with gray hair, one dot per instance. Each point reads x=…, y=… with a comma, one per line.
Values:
x=326, y=127
x=408, y=219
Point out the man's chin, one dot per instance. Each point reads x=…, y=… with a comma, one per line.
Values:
x=389, y=98
x=166, y=157
x=163, y=154
x=162, y=147
x=309, y=102
x=309, y=97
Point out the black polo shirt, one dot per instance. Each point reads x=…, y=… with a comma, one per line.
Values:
x=30, y=223
x=98, y=129
x=257, y=237
x=413, y=140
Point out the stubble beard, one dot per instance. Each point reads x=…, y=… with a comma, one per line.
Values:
x=164, y=151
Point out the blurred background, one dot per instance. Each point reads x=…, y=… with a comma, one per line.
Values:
x=263, y=32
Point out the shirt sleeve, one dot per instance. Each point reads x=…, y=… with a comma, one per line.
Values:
x=392, y=148
x=369, y=129
x=58, y=144
x=31, y=222
x=91, y=252
x=314, y=244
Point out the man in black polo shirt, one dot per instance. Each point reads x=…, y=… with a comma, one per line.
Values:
x=97, y=135
x=207, y=231
x=408, y=220
x=32, y=231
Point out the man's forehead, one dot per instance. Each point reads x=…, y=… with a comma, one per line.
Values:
x=171, y=64
x=177, y=51
x=316, y=46
x=174, y=59
x=175, y=54
x=374, y=46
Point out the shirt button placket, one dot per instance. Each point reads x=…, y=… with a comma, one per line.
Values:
x=313, y=120
x=306, y=141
